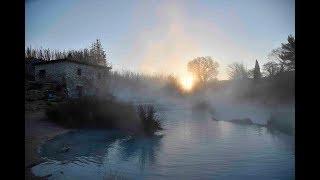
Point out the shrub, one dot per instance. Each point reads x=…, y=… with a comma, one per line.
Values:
x=92, y=112
x=149, y=119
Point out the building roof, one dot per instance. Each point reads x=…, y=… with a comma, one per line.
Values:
x=72, y=61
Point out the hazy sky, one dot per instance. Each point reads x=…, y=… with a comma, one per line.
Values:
x=162, y=36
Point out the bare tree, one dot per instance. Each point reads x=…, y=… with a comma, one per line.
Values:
x=28, y=52
x=237, y=71
x=47, y=54
x=250, y=73
x=33, y=53
x=203, y=68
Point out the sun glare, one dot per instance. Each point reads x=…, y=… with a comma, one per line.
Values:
x=187, y=82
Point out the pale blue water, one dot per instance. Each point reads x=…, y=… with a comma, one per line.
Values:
x=192, y=146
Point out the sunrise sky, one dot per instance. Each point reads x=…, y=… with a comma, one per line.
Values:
x=162, y=36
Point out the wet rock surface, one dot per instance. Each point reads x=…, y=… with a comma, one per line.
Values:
x=242, y=121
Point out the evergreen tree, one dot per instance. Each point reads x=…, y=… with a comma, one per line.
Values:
x=97, y=54
x=286, y=54
x=256, y=71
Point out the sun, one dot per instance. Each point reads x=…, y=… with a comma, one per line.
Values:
x=187, y=82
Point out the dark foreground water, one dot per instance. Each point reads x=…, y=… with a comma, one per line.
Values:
x=192, y=146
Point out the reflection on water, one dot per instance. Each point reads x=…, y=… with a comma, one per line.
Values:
x=193, y=147
x=82, y=143
x=143, y=148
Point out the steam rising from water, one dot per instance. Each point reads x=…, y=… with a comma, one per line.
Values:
x=223, y=103
x=177, y=37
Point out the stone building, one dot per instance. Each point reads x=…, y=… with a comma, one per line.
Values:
x=29, y=67
x=77, y=78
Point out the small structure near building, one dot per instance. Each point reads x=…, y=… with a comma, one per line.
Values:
x=76, y=78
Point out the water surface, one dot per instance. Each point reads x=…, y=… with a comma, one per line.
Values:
x=192, y=146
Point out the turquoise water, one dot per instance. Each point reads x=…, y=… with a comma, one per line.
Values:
x=192, y=146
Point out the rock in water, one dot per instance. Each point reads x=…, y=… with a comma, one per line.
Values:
x=242, y=121
x=214, y=119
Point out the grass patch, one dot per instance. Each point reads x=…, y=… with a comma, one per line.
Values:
x=149, y=119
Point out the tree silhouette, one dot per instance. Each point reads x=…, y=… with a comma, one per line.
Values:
x=97, y=54
x=271, y=68
x=256, y=72
x=286, y=54
x=203, y=69
x=237, y=71
x=94, y=55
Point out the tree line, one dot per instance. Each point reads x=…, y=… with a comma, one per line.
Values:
x=281, y=60
x=95, y=54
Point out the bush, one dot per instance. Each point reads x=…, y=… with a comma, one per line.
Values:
x=92, y=112
x=149, y=119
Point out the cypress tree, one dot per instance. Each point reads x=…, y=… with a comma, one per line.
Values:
x=256, y=71
x=97, y=54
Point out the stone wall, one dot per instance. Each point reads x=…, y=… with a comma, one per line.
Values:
x=92, y=78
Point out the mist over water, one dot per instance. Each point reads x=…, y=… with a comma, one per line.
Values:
x=223, y=103
x=200, y=107
x=192, y=144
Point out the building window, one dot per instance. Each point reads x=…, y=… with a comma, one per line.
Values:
x=79, y=72
x=99, y=75
x=42, y=73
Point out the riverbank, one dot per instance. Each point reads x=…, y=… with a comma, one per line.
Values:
x=37, y=131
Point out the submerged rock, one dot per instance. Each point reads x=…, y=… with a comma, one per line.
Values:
x=242, y=121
